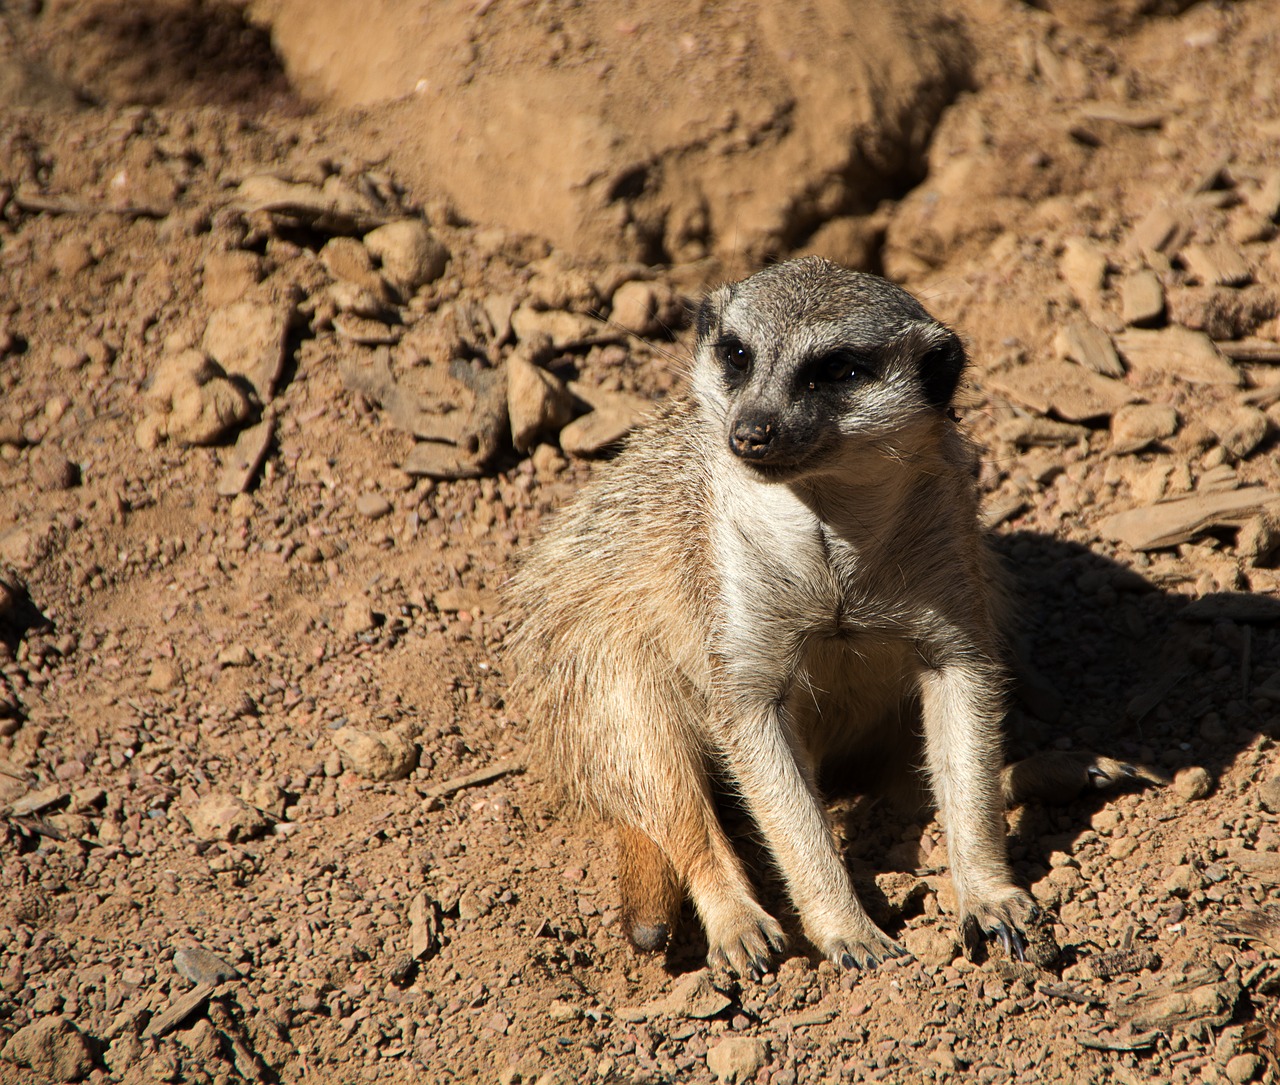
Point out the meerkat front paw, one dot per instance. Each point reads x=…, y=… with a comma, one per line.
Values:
x=745, y=943
x=1003, y=918
x=863, y=946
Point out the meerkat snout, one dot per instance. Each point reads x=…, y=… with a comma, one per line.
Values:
x=752, y=436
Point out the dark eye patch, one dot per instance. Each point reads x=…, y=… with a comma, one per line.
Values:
x=837, y=367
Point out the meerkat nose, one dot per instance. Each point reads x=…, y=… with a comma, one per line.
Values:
x=751, y=437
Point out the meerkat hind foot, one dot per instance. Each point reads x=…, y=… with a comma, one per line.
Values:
x=1002, y=920
x=1059, y=776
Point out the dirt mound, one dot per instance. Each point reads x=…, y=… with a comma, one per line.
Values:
x=660, y=134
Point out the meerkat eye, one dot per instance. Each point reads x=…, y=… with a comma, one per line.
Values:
x=734, y=354
x=837, y=367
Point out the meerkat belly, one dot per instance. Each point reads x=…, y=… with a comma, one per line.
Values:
x=849, y=690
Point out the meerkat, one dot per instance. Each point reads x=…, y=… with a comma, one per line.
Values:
x=785, y=568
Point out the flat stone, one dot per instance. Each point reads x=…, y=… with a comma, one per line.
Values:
x=1218, y=264
x=165, y=674
x=1083, y=266
x=1177, y=353
x=1040, y=432
x=200, y=966
x=1080, y=340
x=1071, y=392
x=1160, y=230
x=358, y=617
x=1137, y=425
x=241, y=464
x=692, y=996
x=1169, y=523
x=178, y=1011
x=1141, y=299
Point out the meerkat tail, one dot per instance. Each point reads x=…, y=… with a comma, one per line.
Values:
x=650, y=890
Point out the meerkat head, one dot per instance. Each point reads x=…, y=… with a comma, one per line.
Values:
x=807, y=365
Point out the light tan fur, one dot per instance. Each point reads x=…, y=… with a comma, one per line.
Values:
x=710, y=606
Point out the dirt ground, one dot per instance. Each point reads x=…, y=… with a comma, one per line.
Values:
x=283, y=387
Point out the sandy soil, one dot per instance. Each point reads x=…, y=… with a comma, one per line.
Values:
x=266, y=452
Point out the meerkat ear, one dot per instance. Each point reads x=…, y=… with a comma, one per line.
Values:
x=940, y=367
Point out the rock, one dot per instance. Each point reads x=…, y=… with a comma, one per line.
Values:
x=1192, y=999
x=1169, y=523
x=1218, y=264
x=473, y=905
x=53, y=1048
x=931, y=946
x=1072, y=392
x=366, y=331
x=1269, y=794
x=388, y=755
x=1177, y=353
x=1080, y=340
x=537, y=402
x=372, y=506
x=737, y=1058
x=229, y=276
x=1192, y=784
x=199, y=404
x=200, y=966
x=248, y=340
x=1039, y=432
x=1243, y=1068
x=52, y=471
x=1239, y=429
x=1223, y=313
x=1259, y=539
x=235, y=655
x=410, y=254
x=1160, y=231
x=349, y=261
x=1135, y=426
x=594, y=432
x=222, y=816
x=1141, y=299
x=178, y=1011
x=567, y=331
x=1083, y=266
x=333, y=207
x=165, y=675
x=242, y=463
x=358, y=617
x=692, y=996
x=646, y=308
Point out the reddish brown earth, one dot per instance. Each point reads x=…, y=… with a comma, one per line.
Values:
x=199, y=690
